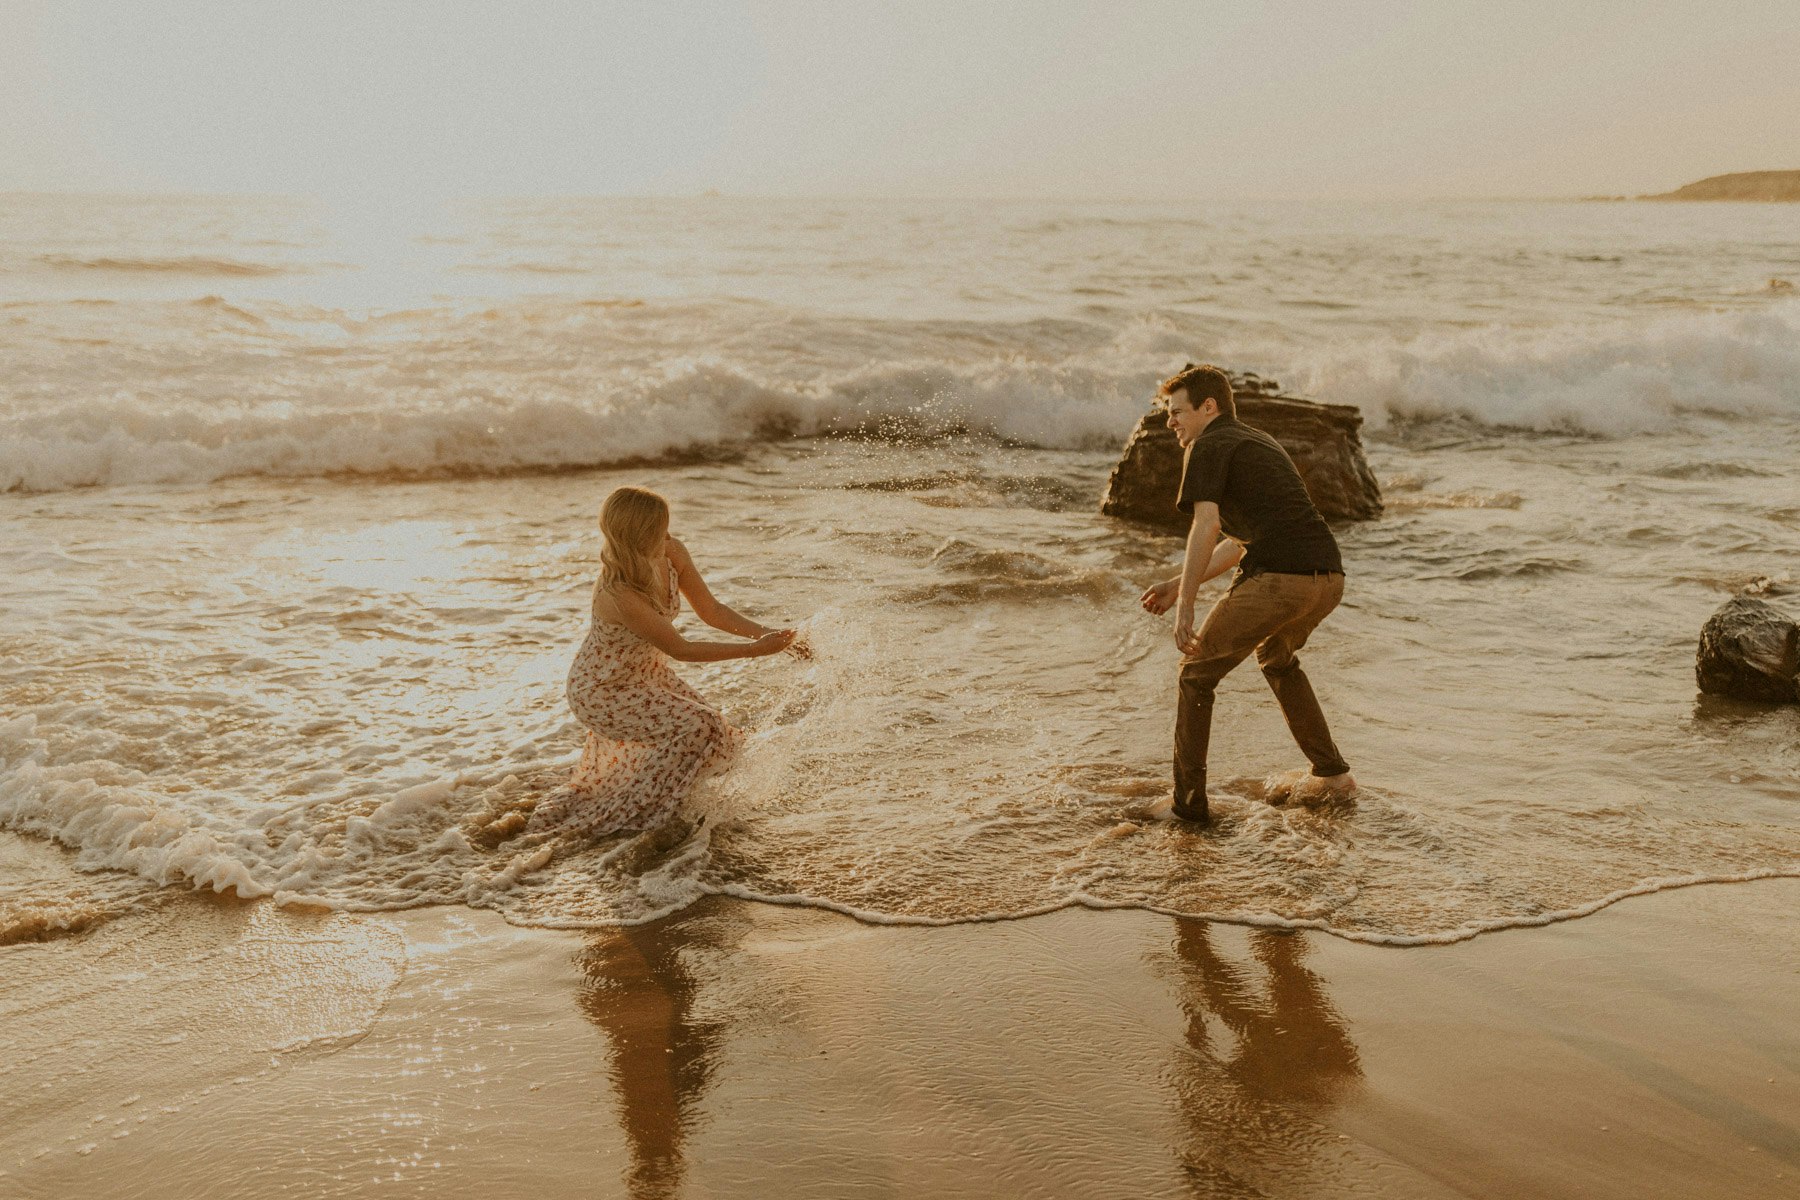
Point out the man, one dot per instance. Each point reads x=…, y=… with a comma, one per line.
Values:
x=1239, y=481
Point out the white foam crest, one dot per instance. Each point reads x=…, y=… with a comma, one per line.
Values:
x=352, y=853
x=1613, y=380
x=122, y=440
x=111, y=824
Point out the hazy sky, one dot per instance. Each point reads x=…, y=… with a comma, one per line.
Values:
x=1214, y=98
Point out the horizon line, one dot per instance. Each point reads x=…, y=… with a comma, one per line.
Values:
x=724, y=194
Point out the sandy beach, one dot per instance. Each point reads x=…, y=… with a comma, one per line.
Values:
x=218, y=1048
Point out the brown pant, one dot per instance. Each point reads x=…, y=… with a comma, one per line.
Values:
x=1271, y=614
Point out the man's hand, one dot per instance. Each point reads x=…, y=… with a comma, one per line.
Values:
x=1203, y=538
x=1185, y=639
x=1158, y=599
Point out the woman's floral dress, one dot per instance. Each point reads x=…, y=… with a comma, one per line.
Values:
x=650, y=735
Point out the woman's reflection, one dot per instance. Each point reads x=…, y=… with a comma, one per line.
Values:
x=641, y=993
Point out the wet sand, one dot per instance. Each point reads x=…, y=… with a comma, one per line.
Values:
x=216, y=1048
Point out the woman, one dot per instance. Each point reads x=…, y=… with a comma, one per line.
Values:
x=650, y=735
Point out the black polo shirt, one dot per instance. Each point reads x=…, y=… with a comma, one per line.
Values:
x=1262, y=502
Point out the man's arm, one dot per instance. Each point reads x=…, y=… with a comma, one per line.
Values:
x=1226, y=555
x=1203, y=539
x=1160, y=597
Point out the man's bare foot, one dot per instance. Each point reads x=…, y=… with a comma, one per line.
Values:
x=1192, y=814
x=1279, y=789
x=1159, y=809
x=1302, y=787
x=1164, y=808
x=1314, y=790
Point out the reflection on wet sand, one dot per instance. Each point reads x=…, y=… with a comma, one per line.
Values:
x=641, y=994
x=1253, y=1098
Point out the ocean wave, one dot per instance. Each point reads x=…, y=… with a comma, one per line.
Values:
x=191, y=264
x=1610, y=380
x=692, y=414
x=566, y=385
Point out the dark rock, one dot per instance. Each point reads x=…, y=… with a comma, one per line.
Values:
x=1751, y=650
x=1322, y=439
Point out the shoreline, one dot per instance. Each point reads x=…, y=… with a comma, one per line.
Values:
x=1270, y=922
x=36, y=854
x=219, y=1047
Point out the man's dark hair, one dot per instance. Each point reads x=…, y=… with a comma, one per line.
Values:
x=1201, y=382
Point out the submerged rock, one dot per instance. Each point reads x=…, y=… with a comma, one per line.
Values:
x=1322, y=439
x=1751, y=650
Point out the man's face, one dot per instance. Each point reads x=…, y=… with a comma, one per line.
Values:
x=1186, y=420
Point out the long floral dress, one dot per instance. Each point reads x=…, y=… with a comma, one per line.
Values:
x=650, y=735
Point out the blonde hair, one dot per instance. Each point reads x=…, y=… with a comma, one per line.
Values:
x=631, y=520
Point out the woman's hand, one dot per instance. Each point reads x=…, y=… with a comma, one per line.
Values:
x=773, y=643
x=1160, y=596
x=799, y=647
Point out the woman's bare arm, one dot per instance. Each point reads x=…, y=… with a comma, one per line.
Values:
x=706, y=606
x=640, y=616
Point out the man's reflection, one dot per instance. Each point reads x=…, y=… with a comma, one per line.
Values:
x=641, y=993
x=1291, y=1044
x=1251, y=1099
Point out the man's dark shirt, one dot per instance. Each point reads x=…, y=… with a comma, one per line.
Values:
x=1262, y=502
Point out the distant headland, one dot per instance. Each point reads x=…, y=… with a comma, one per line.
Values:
x=1745, y=185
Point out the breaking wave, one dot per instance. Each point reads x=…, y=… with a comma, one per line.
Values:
x=1611, y=381
x=575, y=385
x=697, y=412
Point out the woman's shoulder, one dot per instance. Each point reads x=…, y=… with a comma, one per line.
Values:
x=604, y=604
x=619, y=605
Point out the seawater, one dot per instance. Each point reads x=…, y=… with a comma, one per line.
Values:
x=300, y=532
